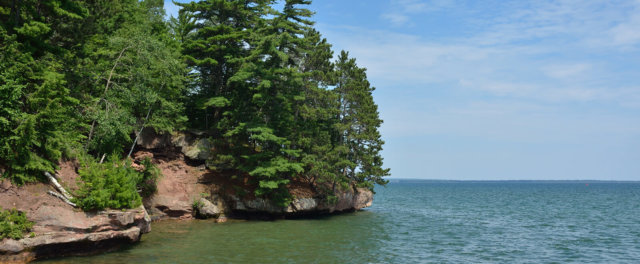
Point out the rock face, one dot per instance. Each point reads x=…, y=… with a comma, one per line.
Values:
x=61, y=230
x=178, y=188
x=194, y=145
x=188, y=189
x=350, y=200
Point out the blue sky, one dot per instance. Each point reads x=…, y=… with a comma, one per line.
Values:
x=497, y=89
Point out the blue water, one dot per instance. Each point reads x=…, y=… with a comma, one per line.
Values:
x=511, y=222
x=422, y=222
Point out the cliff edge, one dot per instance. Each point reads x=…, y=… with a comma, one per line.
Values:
x=61, y=230
x=186, y=189
x=189, y=189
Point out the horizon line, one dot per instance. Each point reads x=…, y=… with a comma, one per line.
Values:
x=530, y=180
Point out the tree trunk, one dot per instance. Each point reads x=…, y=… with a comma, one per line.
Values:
x=104, y=94
x=61, y=197
x=55, y=183
x=139, y=132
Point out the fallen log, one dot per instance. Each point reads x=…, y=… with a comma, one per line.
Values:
x=64, y=199
x=59, y=187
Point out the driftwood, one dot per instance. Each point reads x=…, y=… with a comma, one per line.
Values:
x=63, y=195
x=64, y=199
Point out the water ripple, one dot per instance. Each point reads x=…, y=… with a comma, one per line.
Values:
x=427, y=222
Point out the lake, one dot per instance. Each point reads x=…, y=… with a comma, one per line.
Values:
x=421, y=222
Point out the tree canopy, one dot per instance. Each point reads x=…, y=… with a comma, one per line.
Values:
x=82, y=77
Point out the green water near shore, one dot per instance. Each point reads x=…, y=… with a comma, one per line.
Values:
x=421, y=222
x=251, y=242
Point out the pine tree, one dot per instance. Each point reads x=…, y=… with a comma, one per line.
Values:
x=276, y=85
x=37, y=129
x=220, y=32
x=358, y=124
x=87, y=76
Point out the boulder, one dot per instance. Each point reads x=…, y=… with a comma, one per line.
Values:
x=149, y=139
x=304, y=204
x=207, y=209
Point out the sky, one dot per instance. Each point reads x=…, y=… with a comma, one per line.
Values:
x=498, y=89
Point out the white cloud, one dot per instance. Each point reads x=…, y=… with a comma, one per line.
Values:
x=566, y=70
x=401, y=10
x=546, y=87
x=627, y=33
x=546, y=51
x=421, y=6
x=509, y=120
x=396, y=18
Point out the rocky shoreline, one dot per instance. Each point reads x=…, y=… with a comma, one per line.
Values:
x=186, y=190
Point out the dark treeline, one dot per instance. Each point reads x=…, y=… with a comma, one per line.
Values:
x=81, y=78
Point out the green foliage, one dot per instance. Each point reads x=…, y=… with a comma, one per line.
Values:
x=112, y=184
x=196, y=205
x=83, y=77
x=262, y=89
x=331, y=199
x=358, y=123
x=13, y=224
x=149, y=178
x=35, y=104
x=132, y=71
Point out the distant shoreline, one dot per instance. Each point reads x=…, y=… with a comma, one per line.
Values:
x=397, y=180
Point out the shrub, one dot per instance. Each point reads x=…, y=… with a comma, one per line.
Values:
x=149, y=178
x=196, y=205
x=112, y=184
x=13, y=224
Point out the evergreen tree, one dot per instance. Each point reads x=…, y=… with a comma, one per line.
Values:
x=275, y=92
x=316, y=115
x=358, y=124
x=215, y=51
x=37, y=128
x=87, y=76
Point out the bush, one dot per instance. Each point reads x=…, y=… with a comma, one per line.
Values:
x=149, y=178
x=13, y=224
x=112, y=184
